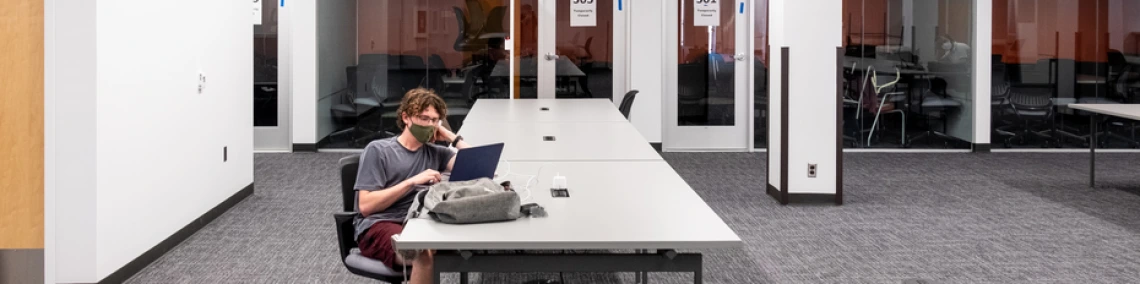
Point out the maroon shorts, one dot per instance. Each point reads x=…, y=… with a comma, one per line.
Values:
x=376, y=243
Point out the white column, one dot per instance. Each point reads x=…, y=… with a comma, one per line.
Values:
x=302, y=30
x=812, y=96
x=983, y=48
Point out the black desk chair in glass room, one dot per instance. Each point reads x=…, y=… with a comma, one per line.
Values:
x=936, y=104
x=346, y=232
x=1031, y=106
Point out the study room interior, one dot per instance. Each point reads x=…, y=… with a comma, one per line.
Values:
x=570, y=141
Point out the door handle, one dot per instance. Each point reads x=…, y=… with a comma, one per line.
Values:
x=739, y=57
x=551, y=56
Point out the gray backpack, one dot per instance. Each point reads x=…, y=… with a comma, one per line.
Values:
x=466, y=202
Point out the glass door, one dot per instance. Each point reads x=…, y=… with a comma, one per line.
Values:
x=566, y=49
x=708, y=107
x=270, y=101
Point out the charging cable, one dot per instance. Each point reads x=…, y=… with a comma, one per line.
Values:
x=530, y=178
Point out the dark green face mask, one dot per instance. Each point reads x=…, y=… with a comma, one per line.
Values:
x=421, y=132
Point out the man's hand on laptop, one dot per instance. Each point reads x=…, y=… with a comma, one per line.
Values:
x=428, y=176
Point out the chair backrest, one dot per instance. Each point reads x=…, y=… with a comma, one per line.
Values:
x=1031, y=98
x=477, y=18
x=627, y=103
x=460, y=20
x=999, y=82
x=348, y=167
x=495, y=19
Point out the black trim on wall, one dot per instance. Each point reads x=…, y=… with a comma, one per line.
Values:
x=839, y=125
x=980, y=147
x=784, y=67
x=122, y=274
x=656, y=146
x=304, y=147
x=768, y=127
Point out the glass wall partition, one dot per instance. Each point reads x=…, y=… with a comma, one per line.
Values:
x=1048, y=54
x=907, y=70
x=760, y=75
x=371, y=52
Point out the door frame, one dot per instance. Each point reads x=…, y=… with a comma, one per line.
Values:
x=276, y=139
x=672, y=134
x=547, y=41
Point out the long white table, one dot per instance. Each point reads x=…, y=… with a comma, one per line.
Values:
x=572, y=141
x=1129, y=111
x=623, y=196
x=543, y=110
x=612, y=205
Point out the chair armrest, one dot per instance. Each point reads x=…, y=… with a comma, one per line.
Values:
x=345, y=232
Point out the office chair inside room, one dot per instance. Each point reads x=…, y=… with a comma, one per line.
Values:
x=627, y=103
x=346, y=231
x=1031, y=108
x=936, y=104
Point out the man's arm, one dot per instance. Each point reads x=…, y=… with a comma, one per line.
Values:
x=448, y=137
x=371, y=202
x=378, y=200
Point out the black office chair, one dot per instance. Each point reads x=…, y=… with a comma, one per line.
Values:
x=936, y=104
x=1031, y=106
x=999, y=98
x=465, y=41
x=346, y=231
x=627, y=103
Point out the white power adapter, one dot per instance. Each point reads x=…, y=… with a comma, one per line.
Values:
x=559, y=182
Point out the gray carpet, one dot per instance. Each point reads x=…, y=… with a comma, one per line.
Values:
x=947, y=218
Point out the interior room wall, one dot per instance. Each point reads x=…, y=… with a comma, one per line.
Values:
x=140, y=151
x=336, y=44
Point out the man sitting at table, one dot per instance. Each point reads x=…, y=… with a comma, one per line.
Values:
x=390, y=170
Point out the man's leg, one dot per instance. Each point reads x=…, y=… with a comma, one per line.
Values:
x=422, y=271
x=376, y=243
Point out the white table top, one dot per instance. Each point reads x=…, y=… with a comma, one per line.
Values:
x=1130, y=111
x=530, y=110
x=606, y=210
x=573, y=141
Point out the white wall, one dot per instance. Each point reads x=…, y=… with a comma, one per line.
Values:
x=811, y=105
x=139, y=151
x=303, y=52
x=777, y=37
x=336, y=44
x=647, y=66
x=69, y=148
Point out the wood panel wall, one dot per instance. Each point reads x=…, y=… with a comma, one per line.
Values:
x=22, y=124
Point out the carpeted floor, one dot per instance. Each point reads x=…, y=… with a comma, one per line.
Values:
x=946, y=218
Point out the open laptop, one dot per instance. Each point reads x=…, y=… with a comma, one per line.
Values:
x=476, y=162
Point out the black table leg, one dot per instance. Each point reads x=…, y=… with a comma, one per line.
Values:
x=1092, y=149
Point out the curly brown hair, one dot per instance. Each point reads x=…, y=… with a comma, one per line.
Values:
x=416, y=101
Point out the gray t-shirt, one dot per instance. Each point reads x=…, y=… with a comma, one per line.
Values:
x=386, y=163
